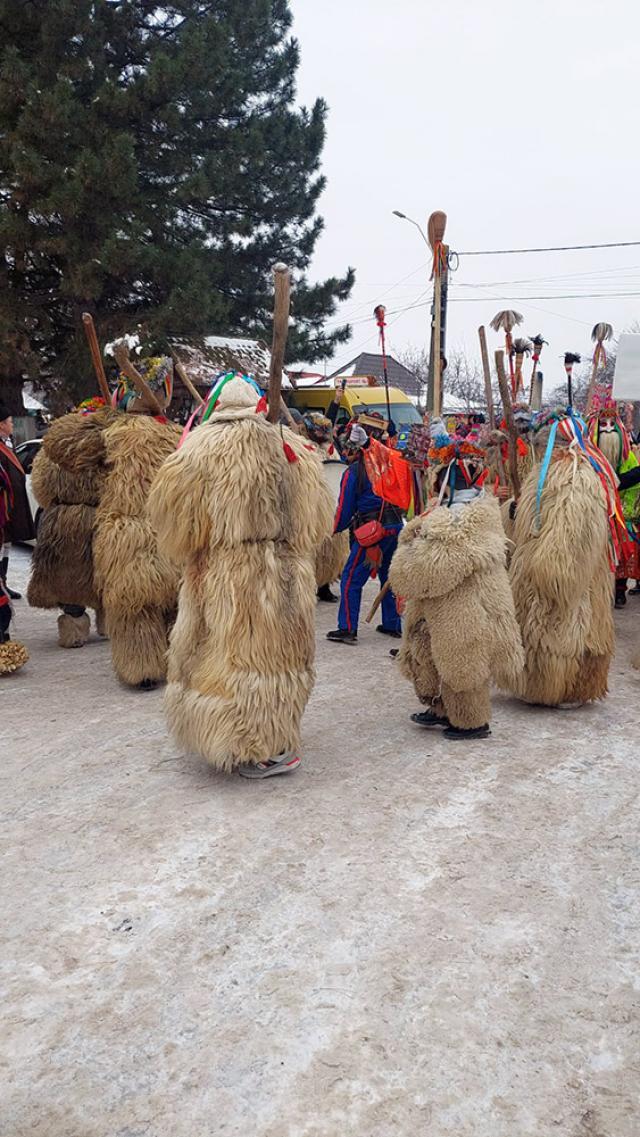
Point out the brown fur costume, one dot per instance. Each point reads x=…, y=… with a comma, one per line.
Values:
x=135, y=582
x=62, y=563
x=459, y=626
x=563, y=586
x=246, y=523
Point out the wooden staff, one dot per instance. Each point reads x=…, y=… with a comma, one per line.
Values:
x=506, y=321
x=520, y=348
x=600, y=333
x=121, y=353
x=96, y=357
x=377, y=602
x=281, y=307
x=435, y=231
x=191, y=388
x=536, y=392
x=537, y=343
x=570, y=357
x=488, y=393
x=505, y=395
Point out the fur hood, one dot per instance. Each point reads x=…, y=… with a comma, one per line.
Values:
x=437, y=551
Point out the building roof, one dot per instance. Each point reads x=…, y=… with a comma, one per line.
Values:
x=204, y=357
x=368, y=363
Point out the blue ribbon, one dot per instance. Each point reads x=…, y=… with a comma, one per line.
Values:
x=544, y=470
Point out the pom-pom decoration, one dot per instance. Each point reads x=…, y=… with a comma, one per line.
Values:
x=13, y=656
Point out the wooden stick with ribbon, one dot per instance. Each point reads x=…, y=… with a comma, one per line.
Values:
x=96, y=357
x=281, y=308
x=379, y=312
x=599, y=334
x=505, y=395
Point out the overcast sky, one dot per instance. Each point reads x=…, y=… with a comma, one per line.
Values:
x=519, y=120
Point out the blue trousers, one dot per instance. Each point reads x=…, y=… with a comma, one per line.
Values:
x=355, y=575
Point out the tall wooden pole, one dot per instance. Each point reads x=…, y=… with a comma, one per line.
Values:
x=182, y=373
x=505, y=395
x=435, y=231
x=96, y=357
x=486, y=370
x=281, y=307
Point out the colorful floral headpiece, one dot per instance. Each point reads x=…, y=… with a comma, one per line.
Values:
x=157, y=371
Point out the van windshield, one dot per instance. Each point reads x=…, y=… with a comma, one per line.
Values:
x=403, y=414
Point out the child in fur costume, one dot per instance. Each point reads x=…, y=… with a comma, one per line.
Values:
x=566, y=541
x=608, y=432
x=241, y=507
x=460, y=629
x=136, y=584
x=62, y=574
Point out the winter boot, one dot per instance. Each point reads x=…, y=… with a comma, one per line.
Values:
x=73, y=630
x=324, y=593
x=11, y=592
x=621, y=592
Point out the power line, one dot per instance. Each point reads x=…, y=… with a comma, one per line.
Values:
x=548, y=249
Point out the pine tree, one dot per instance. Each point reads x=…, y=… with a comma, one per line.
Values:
x=153, y=167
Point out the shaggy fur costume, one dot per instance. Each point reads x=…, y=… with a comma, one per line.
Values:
x=563, y=586
x=136, y=584
x=332, y=553
x=459, y=625
x=62, y=562
x=245, y=522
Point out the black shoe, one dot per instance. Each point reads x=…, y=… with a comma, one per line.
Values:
x=388, y=632
x=456, y=733
x=394, y=652
x=428, y=718
x=635, y=591
x=148, y=685
x=342, y=636
x=621, y=599
x=12, y=594
x=325, y=594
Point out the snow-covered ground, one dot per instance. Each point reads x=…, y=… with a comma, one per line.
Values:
x=406, y=937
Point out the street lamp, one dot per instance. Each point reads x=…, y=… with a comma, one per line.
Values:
x=403, y=216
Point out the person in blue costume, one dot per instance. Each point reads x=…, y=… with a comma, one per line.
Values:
x=357, y=505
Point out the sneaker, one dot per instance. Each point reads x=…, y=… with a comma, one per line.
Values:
x=394, y=652
x=284, y=764
x=458, y=734
x=325, y=594
x=389, y=632
x=429, y=718
x=342, y=636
